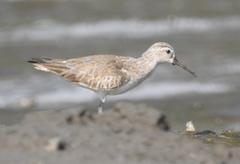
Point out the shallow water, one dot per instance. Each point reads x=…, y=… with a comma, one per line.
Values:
x=205, y=35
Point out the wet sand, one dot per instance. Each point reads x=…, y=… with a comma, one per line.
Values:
x=127, y=133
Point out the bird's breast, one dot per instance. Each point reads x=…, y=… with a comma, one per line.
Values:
x=128, y=86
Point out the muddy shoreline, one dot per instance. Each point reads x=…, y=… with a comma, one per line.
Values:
x=127, y=133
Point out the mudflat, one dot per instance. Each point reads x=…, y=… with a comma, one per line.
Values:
x=127, y=133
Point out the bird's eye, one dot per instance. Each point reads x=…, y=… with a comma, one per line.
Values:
x=168, y=51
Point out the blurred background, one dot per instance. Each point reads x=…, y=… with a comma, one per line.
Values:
x=205, y=35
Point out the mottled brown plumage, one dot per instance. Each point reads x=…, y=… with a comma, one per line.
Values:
x=98, y=73
x=109, y=74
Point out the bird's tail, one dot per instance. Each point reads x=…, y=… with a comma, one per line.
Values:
x=56, y=66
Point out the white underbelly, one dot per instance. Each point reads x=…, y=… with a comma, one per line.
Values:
x=124, y=88
x=131, y=84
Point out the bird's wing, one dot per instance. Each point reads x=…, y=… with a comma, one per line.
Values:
x=99, y=72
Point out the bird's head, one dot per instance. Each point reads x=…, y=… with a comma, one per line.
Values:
x=163, y=52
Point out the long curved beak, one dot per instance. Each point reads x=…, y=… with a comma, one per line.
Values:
x=176, y=62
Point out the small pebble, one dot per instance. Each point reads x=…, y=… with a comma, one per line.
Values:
x=82, y=113
x=69, y=119
x=162, y=123
x=56, y=144
x=190, y=127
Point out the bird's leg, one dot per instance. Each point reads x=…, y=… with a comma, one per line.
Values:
x=100, y=106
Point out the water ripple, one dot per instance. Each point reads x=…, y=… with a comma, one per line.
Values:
x=43, y=30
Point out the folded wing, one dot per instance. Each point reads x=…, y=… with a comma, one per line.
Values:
x=99, y=72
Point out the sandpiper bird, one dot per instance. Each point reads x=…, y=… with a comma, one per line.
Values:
x=110, y=74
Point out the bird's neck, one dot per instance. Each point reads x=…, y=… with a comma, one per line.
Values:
x=146, y=64
x=149, y=59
